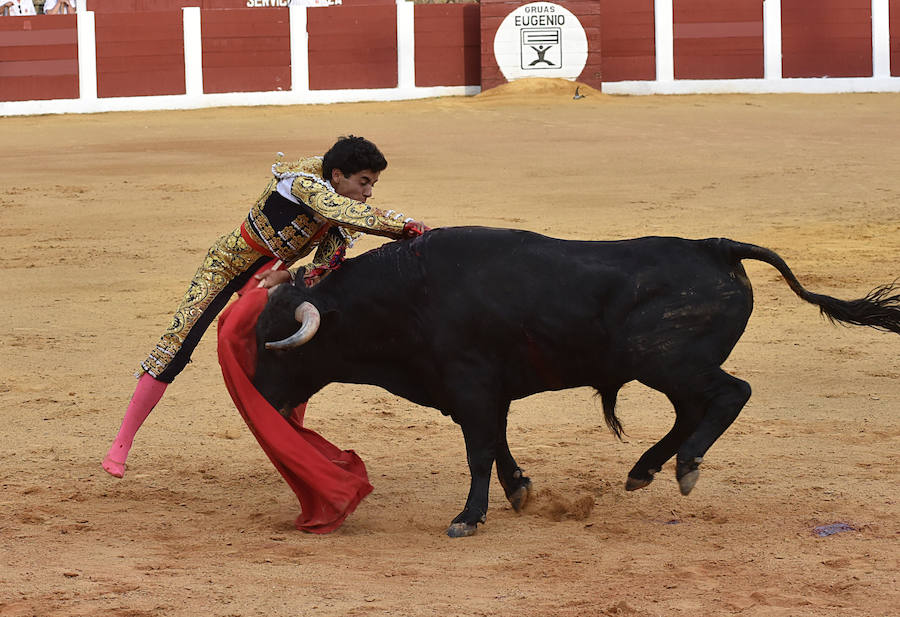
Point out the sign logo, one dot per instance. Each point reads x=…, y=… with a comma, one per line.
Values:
x=540, y=39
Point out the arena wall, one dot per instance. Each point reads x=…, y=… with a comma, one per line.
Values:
x=38, y=58
x=826, y=38
x=245, y=50
x=447, y=44
x=627, y=32
x=894, y=21
x=353, y=47
x=718, y=40
x=809, y=46
x=139, y=54
x=177, y=54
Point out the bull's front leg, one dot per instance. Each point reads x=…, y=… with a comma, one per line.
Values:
x=481, y=440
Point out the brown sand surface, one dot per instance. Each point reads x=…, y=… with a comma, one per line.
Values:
x=105, y=218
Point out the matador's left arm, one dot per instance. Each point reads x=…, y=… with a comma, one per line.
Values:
x=329, y=255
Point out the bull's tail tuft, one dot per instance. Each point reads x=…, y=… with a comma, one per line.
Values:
x=608, y=397
x=879, y=309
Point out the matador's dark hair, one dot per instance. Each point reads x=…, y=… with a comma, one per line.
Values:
x=352, y=154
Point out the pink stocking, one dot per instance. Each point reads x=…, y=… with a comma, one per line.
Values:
x=147, y=394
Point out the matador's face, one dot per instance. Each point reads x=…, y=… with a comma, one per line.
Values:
x=356, y=186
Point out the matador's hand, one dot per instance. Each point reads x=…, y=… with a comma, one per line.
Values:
x=271, y=278
x=414, y=228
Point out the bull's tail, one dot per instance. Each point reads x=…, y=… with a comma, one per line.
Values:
x=608, y=396
x=879, y=309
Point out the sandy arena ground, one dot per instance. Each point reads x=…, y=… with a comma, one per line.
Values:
x=105, y=217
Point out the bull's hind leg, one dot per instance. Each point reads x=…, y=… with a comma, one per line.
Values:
x=688, y=413
x=727, y=395
x=515, y=483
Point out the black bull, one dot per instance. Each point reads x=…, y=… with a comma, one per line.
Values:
x=467, y=319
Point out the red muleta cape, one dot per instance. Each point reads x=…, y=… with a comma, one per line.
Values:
x=328, y=481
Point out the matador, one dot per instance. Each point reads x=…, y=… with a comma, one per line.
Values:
x=314, y=204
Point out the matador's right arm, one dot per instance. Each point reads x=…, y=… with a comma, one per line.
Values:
x=346, y=212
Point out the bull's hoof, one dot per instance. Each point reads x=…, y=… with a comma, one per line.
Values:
x=686, y=483
x=633, y=484
x=520, y=497
x=687, y=474
x=461, y=530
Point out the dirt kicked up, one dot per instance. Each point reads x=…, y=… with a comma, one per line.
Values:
x=104, y=218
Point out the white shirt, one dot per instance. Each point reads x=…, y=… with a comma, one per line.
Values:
x=49, y=4
x=22, y=7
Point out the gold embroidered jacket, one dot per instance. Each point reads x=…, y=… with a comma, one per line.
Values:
x=319, y=218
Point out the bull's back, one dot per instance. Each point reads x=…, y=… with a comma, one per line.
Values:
x=556, y=313
x=519, y=274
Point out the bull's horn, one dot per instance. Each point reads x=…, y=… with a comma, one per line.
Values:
x=309, y=318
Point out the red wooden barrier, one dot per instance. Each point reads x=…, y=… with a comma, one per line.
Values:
x=246, y=50
x=132, y=6
x=589, y=14
x=894, y=8
x=140, y=54
x=718, y=40
x=628, y=32
x=448, y=45
x=826, y=38
x=493, y=12
x=38, y=58
x=140, y=44
x=352, y=47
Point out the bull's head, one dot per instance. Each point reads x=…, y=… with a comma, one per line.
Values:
x=286, y=365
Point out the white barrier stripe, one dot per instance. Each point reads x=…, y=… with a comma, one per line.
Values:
x=772, y=39
x=87, y=55
x=665, y=40
x=193, y=51
x=299, y=49
x=881, y=39
x=406, y=45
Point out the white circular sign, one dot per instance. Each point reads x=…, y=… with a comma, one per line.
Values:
x=541, y=39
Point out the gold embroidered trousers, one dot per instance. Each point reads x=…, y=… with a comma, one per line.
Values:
x=228, y=265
